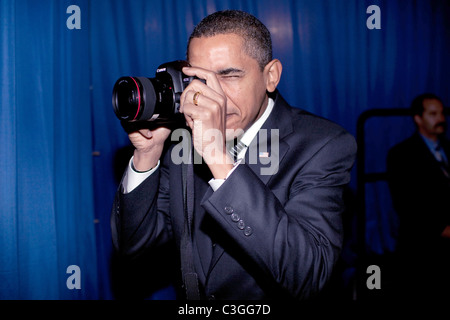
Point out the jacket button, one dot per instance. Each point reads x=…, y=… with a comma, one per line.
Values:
x=212, y=297
x=235, y=217
x=228, y=210
x=241, y=224
x=248, y=231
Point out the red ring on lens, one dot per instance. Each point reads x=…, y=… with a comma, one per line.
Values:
x=139, y=99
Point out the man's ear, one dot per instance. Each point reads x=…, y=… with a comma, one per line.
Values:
x=273, y=71
x=417, y=120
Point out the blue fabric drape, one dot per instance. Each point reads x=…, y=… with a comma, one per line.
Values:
x=59, y=138
x=47, y=221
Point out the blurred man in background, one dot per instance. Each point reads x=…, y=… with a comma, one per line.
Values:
x=419, y=182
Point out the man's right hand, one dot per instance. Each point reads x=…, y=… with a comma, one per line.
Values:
x=149, y=145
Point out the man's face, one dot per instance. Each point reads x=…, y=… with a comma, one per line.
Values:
x=432, y=122
x=239, y=75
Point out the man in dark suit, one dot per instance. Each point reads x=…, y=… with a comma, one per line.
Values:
x=419, y=182
x=266, y=225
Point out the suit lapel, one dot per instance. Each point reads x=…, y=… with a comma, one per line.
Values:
x=265, y=154
x=268, y=148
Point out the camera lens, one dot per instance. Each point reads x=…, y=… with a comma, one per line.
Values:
x=134, y=98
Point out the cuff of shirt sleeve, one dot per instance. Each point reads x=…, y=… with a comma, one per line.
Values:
x=216, y=183
x=132, y=178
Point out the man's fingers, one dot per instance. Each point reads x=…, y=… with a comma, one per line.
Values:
x=146, y=133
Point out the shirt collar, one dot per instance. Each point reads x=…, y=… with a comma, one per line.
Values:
x=432, y=146
x=251, y=132
x=430, y=143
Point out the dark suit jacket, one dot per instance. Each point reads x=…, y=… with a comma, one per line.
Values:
x=421, y=197
x=291, y=231
x=420, y=191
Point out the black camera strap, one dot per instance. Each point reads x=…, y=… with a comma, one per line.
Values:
x=190, y=277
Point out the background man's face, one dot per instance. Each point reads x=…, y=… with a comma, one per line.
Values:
x=432, y=123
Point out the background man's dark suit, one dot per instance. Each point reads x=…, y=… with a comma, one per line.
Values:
x=421, y=197
x=291, y=231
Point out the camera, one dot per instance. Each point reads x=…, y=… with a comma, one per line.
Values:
x=141, y=102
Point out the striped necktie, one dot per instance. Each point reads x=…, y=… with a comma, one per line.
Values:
x=236, y=149
x=442, y=162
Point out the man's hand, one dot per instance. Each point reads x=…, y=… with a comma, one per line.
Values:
x=149, y=145
x=207, y=119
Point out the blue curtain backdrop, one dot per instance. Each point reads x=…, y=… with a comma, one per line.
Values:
x=60, y=141
x=47, y=193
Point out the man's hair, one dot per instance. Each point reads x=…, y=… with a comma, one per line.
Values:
x=417, y=104
x=256, y=37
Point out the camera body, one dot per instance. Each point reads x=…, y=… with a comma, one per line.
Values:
x=141, y=102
